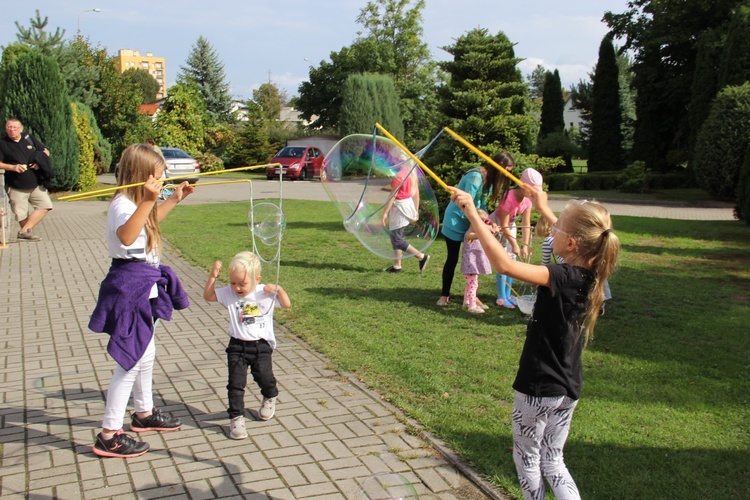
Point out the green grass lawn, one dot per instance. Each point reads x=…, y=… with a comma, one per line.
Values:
x=664, y=409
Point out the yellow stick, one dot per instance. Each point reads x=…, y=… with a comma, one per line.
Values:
x=73, y=197
x=485, y=157
x=88, y=196
x=211, y=183
x=413, y=157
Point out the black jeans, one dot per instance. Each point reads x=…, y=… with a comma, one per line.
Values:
x=451, y=261
x=256, y=355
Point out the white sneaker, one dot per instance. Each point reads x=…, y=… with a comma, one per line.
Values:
x=267, y=408
x=237, y=428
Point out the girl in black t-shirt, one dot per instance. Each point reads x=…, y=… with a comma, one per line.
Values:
x=548, y=382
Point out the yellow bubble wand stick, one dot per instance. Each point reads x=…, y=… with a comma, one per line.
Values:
x=483, y=156
x=413, y=157
x=88, y=194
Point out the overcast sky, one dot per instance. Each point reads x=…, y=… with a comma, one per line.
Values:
x=280, y=39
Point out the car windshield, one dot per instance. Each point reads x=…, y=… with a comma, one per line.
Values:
x=174, y=153
x=291, y=153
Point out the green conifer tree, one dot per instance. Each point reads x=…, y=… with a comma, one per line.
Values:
x=367, y=99
x=605, y=151
x=553, y=141
x=485, y=100
x=205, y=71
x=34, y=92
x=552, y=120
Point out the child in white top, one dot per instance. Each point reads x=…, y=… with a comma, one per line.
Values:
x=399, y=212
x=134, y=296
x=250, y=306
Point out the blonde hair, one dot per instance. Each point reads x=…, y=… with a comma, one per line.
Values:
x=247, y=263
x=542, y=228
x=137, y=163
x=590, y=224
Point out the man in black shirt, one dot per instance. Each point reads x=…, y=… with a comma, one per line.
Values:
x=25, y=177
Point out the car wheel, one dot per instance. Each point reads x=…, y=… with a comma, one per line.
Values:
x=303, y=174
x=270, y=177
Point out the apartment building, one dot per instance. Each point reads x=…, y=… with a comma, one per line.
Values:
x=156, y=66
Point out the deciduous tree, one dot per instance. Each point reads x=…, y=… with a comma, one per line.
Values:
x=663, y=35
x=147, y=83
x=117, y=109
x=181, y=120
x=391, y=44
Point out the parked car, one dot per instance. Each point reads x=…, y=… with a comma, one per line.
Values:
x=178, y=163
x=298, y=162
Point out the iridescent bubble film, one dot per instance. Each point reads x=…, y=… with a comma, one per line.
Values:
x=267, y=223
x=357, y=175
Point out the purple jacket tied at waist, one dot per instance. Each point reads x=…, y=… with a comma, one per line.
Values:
x=125, y=312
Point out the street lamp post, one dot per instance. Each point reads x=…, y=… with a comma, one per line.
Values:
x=83, y=12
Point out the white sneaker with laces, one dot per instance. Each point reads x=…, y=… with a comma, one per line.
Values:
x=267, y=408
x=237, y=428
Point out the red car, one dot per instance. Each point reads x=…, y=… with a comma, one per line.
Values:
x=298, y=162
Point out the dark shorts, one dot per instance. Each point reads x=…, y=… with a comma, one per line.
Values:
x=397, y=239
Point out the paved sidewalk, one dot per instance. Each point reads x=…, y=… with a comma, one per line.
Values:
x=330, y=434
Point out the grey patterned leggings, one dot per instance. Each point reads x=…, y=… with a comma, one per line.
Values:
x=540, y=429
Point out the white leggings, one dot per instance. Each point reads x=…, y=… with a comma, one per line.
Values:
x=138, y=381
x=540, y=429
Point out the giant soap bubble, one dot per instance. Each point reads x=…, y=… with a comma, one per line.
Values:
x=266, y=222
x=359, y=174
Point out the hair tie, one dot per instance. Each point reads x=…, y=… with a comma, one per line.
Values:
x=606, y=232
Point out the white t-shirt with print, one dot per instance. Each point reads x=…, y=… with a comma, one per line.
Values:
x=251, y=316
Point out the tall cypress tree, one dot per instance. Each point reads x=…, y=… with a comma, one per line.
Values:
x=553, y=141
x=205, y=71
x=367, y=99
x=605, y=151
x=34, y=92
x=552, y=120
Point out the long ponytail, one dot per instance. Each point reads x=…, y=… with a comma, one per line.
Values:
x=591, y=225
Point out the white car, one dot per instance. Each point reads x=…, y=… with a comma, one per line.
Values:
x=180, y=164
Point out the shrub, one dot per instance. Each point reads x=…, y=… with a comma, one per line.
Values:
x=635, y=178
x=86, y=140
x=210, y=162
x=723, y=141
x=742, y=210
